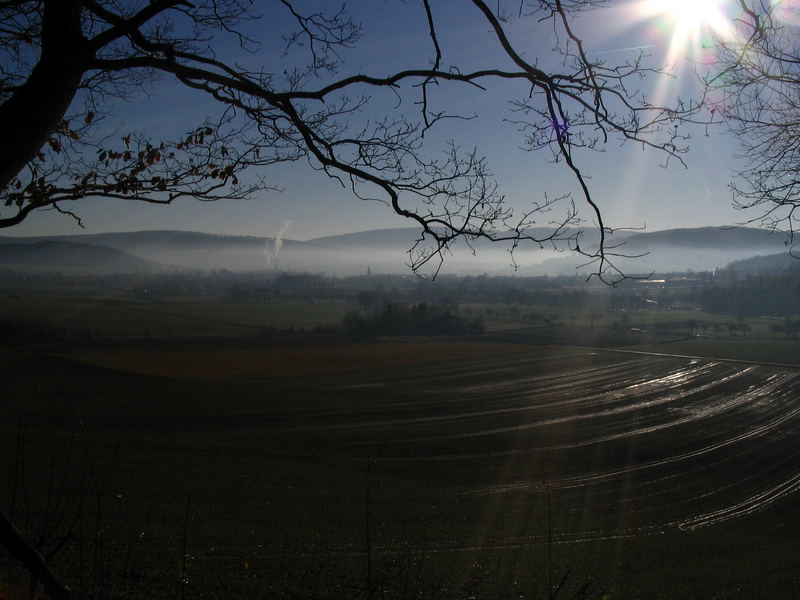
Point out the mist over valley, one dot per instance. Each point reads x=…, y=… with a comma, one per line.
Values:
x=386, y=251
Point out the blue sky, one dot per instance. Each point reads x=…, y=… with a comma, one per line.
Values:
x=628, y=182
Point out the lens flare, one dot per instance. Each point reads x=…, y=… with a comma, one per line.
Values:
x=787, y=11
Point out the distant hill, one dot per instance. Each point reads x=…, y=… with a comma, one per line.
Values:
x=57, y=254
x=699, y=249
x=385, y=250
x=128, y=240
x=190, y=249
x=402, y=237
x=765, y=264
x=708, y=238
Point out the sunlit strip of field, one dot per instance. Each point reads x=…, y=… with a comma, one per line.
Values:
x=636, y=447
x=760, y=350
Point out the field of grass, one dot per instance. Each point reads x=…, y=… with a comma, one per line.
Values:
x=430, y=470
x=503, y=317
x=116, y=317
x=237, y=361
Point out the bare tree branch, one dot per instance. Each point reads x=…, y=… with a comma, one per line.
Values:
x=756, y=90
x=34, y=562
x=108, y=49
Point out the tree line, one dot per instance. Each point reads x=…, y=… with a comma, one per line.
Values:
x=416, y=319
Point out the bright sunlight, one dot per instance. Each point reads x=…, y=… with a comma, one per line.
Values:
x=688, y=22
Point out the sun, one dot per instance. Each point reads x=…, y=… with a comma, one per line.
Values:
x=688, y=23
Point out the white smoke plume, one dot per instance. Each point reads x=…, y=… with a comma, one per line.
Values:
x=273, y=247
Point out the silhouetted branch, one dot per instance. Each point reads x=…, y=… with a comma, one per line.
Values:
x=31, y=559
x=755, y=89
x=95, y=51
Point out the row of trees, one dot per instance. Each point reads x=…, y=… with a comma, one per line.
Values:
x=417, y=319
x=770, y=294
x=789, y=328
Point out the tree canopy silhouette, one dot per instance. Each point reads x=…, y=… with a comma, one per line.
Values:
x=756, y=87
x=66, y=64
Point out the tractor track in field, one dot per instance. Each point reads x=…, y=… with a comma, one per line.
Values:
x=662, y=443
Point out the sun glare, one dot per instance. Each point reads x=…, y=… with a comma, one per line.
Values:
x=687, y=13
x=689, y=24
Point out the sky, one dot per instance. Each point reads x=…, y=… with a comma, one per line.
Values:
x=629, y=183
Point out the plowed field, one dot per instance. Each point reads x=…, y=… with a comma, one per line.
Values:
x=653, y=477
x=641, y=446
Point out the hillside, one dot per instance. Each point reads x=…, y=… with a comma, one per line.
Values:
x=58, y=254
x=708, y=238
x=699, y=249
x=766, y=263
